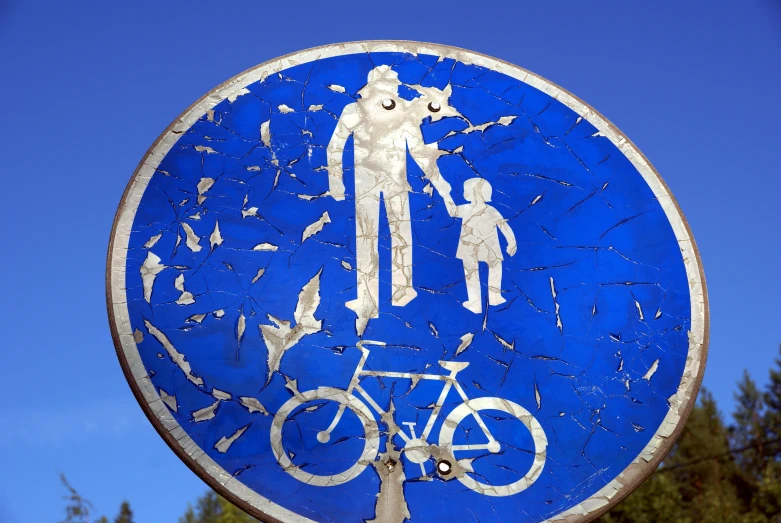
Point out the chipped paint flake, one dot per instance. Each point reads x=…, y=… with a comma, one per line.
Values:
x=315, y=227
x=253, y=405
x=281, y=336
x=265, y=246
x=466, y=341
x=193, y=240
x=215, y=238
x=225, y=443
x=206, y=413
x=652, y=370
x=169, y=400
x=153, y=240
x=204, y=185
x=149, y=271
x=174, y=354
x=259, y=275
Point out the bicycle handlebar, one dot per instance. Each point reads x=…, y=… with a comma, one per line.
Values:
x=370, y=342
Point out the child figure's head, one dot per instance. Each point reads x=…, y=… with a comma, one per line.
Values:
x=477, y=190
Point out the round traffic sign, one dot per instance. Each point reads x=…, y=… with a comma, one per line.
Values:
x=390, y=281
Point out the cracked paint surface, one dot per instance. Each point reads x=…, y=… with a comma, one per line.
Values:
x=236, y=253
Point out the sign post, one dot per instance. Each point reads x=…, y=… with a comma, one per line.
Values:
x=396, y=281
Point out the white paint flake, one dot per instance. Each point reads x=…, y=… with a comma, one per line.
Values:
x=206, y=413
x=186, y=298
x=466, y=341
x=169, y=400
x=193, y=240
x=204, y=185
x=205, y=149
x=265, y=134
x=241, y=92
x=651, y=371
x=336, y=88
x=265, y=247
x=537, y=396
x=215, y=238
x=219, y=313
x=284, y=109
x=314, y=108
x=260, y=273
x=149, y=271
x=225, y=443
x=153, y=240
x=196, y=318
x=639, y=310
x=221, y=394
x=252, y=405
x=504, y=120
x=240, y=326
x=505, y=343
x=346, y=266
x=252, y=211
x=280, y=337
x=292, y=386
x=314, y=228
x=556, y=304
x=174, y=354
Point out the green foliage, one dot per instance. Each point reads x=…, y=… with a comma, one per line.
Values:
x=125, y=514
x=716, y=473
x=77, y=509
x=212, y=508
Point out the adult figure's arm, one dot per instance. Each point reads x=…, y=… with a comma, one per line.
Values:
x=426, y=155
x=344, y=128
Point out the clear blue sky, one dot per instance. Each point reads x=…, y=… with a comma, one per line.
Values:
x=88, y=86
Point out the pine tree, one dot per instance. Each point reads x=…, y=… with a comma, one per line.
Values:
x=78, y=509
x=125, y=514
x=772, y=418
x=703, y=468
x=748, y=436
x=212, y=508
x=658, y=499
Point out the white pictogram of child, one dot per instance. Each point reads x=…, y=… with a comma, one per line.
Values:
x=479, y=242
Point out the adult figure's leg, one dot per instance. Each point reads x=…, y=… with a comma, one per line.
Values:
x=400, y=224
x=367, y=218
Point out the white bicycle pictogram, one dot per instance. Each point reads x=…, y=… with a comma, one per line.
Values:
x=416, y=448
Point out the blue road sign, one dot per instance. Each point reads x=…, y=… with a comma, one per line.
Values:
x=392, y=281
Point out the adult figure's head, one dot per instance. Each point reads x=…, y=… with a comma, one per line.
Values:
x=382, y=80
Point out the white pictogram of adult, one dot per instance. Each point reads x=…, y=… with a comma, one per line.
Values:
x=384, y=126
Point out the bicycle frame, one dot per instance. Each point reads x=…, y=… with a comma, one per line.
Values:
x=449, y=383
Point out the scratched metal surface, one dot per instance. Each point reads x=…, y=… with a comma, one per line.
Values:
x=231, y=264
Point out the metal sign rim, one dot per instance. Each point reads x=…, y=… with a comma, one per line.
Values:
x=253, y=503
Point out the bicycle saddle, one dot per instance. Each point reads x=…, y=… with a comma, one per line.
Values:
x=454, y=366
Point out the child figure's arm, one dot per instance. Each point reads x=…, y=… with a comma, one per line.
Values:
x=509, y=235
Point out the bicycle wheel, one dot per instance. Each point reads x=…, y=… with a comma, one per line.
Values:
x=472, y=408
x=313, y=401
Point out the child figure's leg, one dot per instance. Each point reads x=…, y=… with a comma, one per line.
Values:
x=495, y=283
x=472, y=276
